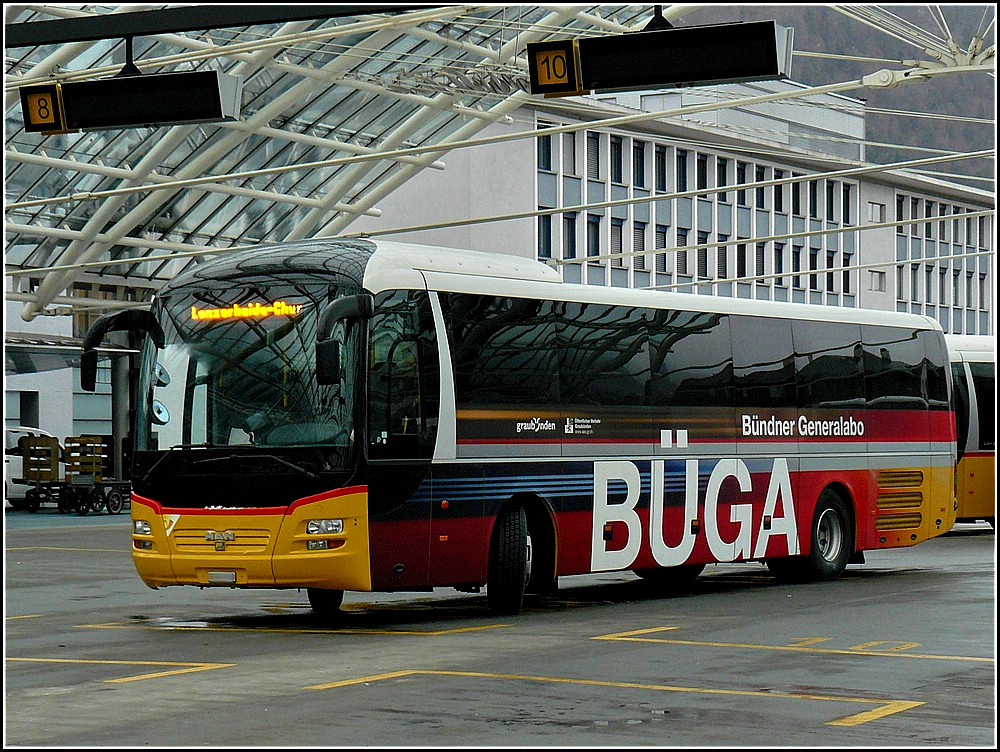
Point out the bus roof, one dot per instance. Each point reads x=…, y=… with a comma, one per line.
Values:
x=411, y=266
x=971, y=346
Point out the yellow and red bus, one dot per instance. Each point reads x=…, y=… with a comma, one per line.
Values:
x=337, y=415
x=973, y=363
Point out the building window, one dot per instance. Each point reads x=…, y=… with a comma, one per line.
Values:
x=544, y=150
x=914, y=215
x=639, y=164
x=831, y=277
x=845, y=208
x=593, y=235
x=796, y=266
x=846, y=274
x=616, y=159
x=569, y=153
x=915, y=282
x=796, y=197
x=929, y=283
x=759, y=265
x=660, y=241
x=682, y=255
x=639, y=245
x=831, y=190
x=544, y=235
x=982, y=292
x=900, y=226
x=761, y=176
x=741, y=260
x=569, y=235
x=701, y=172
x=660, y=165
x=682, y=170
x=900, y=283
x=942, y=286
x=702, y=255
x=876, y=212
x=779, y=192
x=876, y=280
x=928, y=213
x=617, y=228
x=722, y=258
x=814, y=199
x=593, y=155
x=779, y=263
x=741, y=179
x=722, y=177
x=813, y=267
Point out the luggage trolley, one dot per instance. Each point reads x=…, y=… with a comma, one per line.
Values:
x=86, y=458
x=82, y=487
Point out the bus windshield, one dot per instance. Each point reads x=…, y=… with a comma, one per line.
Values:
x=238, y=370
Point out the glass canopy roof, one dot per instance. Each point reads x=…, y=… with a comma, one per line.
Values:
x=85, y=205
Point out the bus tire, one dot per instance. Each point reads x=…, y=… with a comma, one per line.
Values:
x=830, y=546
x=325, y=603
x=507, y=577
x=671, y=579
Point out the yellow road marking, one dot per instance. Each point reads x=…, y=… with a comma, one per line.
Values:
x=634, y=637
x=185, y=667
x=887, y=707
x=873, y=645
x=809, y=641
x=25, y=616
x=292, y=630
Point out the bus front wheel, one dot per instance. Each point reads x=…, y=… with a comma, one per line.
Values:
x=509, y=568
x=831, y=544
x=325, y=602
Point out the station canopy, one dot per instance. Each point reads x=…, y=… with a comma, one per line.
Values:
x=100, y=217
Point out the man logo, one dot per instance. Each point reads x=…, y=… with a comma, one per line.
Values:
x=220, y=539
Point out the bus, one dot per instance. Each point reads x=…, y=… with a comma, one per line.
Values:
x=348, y=415
x=973, y=366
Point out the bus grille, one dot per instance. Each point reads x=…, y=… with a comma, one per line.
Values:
x=898, y=521
x=235, y=541
x=904, y=500
x=900, y=478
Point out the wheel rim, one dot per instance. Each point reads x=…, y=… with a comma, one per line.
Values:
x=829, y=535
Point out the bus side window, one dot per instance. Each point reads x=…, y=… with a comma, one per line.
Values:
x=402, y=377
x=960, y=404
x=985, y=382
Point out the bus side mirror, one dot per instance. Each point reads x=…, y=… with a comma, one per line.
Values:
x=135, y=321
x=328, y=362
x=88, y=370
x=352, y=308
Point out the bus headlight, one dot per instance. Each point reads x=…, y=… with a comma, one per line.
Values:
x=324, y=527
x=140, y=527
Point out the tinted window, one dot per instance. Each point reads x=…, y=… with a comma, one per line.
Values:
x=828, y=365
x=603, y=356
x=893, y=368
x=403, y=376
x=935, y=372
x=985, y=382
x=763, y=362
x=960, y=404
x=504, y=350
x=691, y=360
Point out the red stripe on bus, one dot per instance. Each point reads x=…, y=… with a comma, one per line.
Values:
x=158, y=508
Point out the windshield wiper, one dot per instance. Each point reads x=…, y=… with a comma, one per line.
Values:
x=166, y=454
x=286, y=463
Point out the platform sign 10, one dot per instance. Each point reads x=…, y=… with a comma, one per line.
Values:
x=554, y=68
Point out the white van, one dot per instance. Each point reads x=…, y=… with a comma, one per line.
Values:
x=12, y=460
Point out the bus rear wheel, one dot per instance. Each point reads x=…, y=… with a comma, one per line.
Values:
x=325, y=603
x=509, y=567
x=831, y=544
